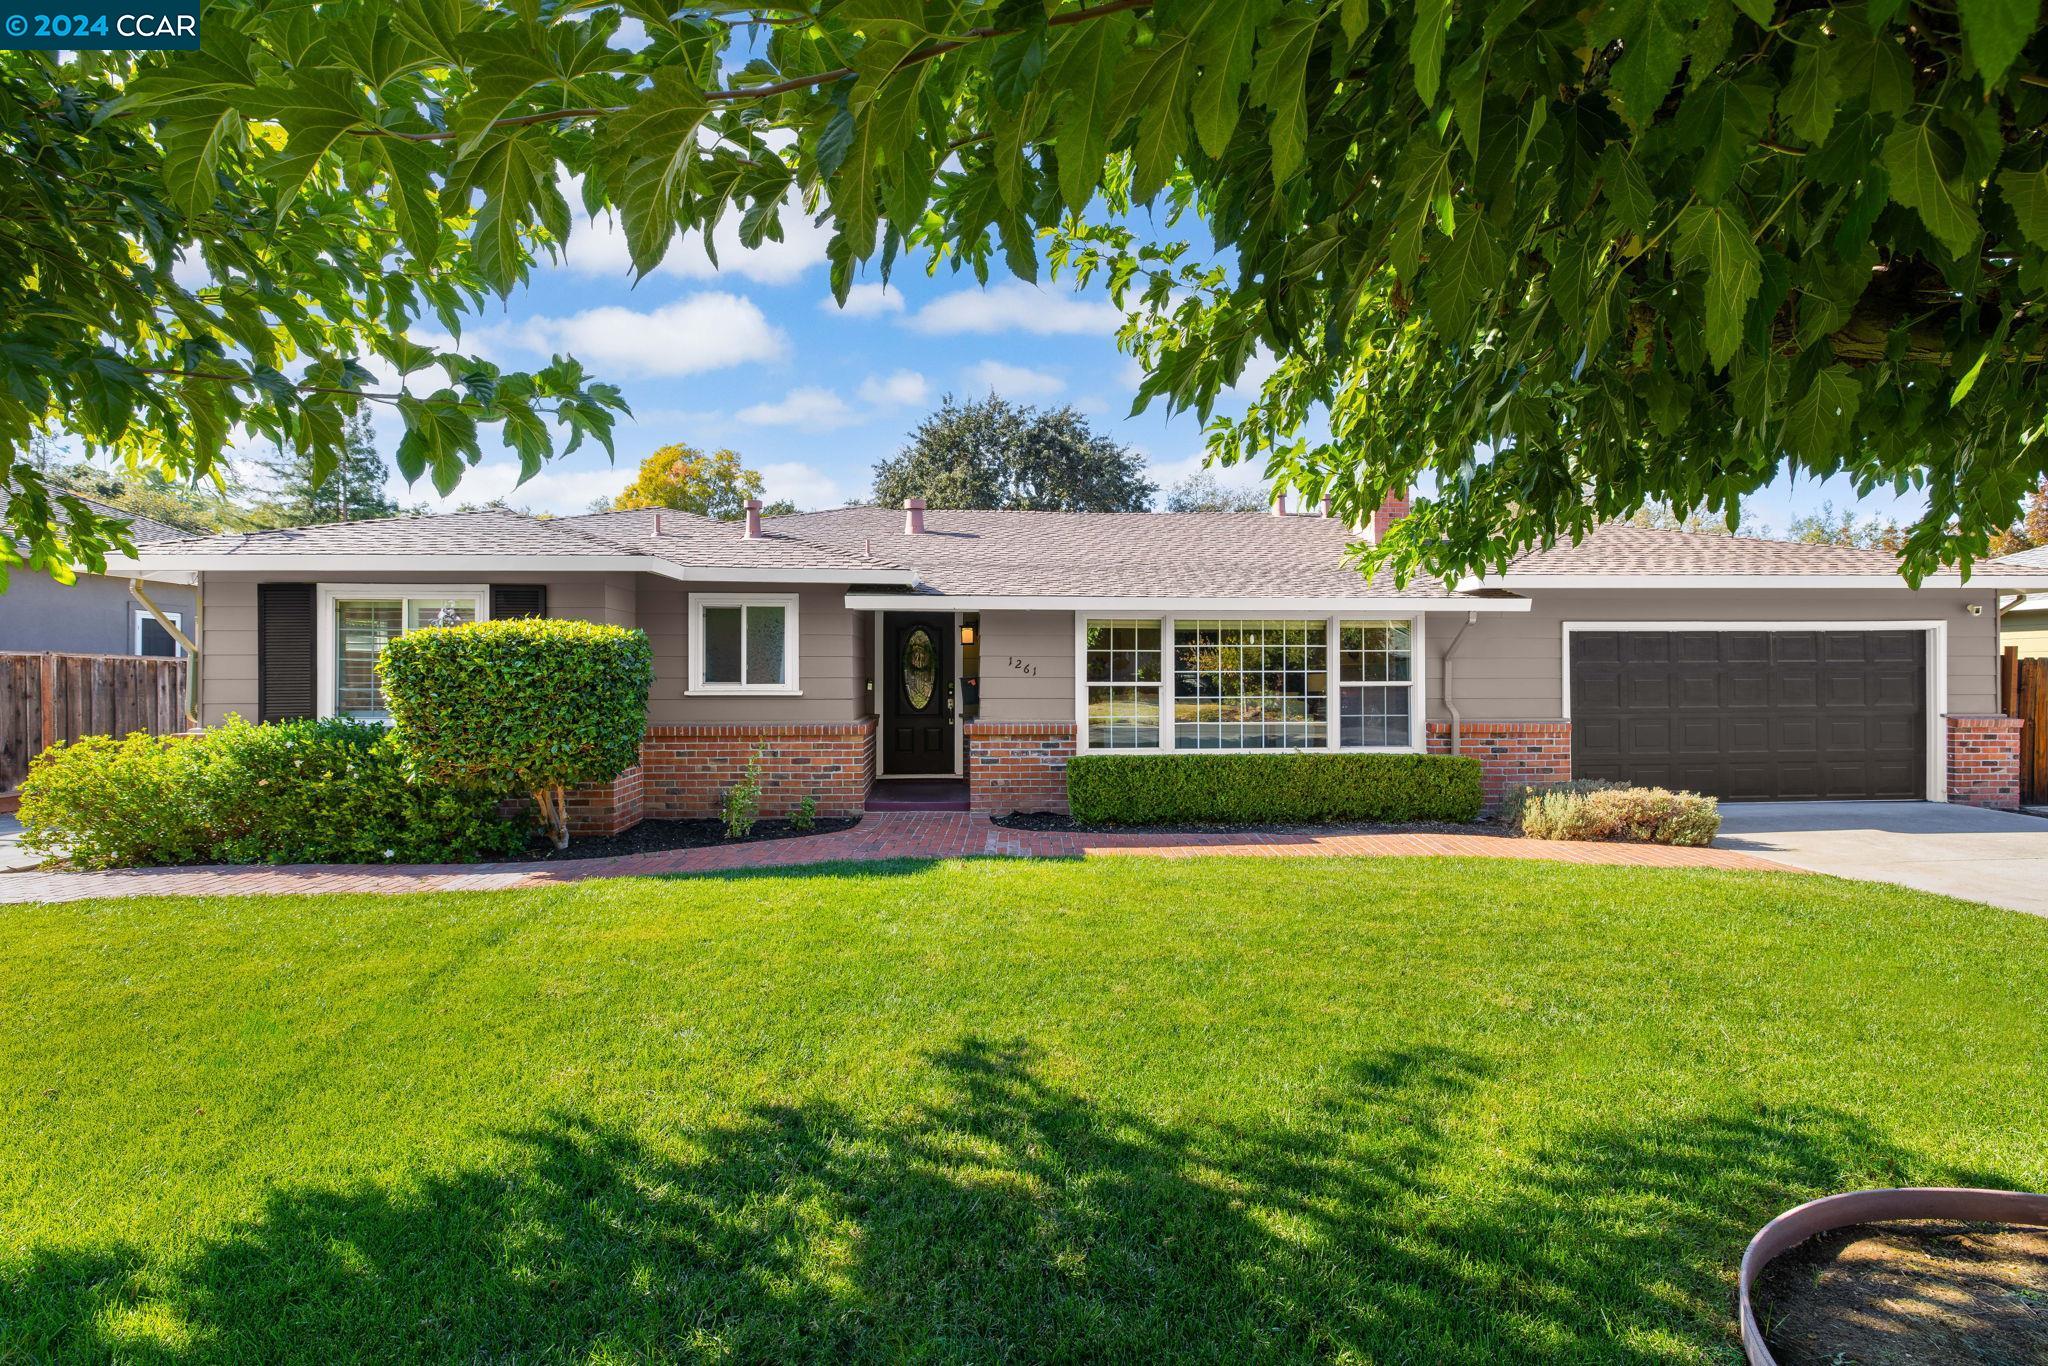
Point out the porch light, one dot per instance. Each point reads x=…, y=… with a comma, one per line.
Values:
x=966, y=635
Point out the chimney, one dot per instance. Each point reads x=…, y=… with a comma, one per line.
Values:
x=753, y=519
x=913, y=516
x=1280, y=503
x=1392, y=509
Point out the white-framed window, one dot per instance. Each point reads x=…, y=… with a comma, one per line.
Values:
x=356, y=622
x=150, y=637
x=743, y=643
x=1121, y=683
x=1237, y=682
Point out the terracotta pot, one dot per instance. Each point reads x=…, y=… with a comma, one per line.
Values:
x=1796, y=1225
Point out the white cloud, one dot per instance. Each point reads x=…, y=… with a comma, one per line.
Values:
x=801, y=484
x=698, y=332
x=900, y=388
x=552, y=490
x=1014, y=381
x=1257, y=370
x=810, y=408
x=1167, y=473
x=1016, y=307
x=597, y=246
x=190, y=270
x=864, y=301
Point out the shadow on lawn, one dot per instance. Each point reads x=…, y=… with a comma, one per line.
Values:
x=1010, y=1218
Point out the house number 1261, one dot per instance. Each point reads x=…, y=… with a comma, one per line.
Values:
x=1023, y=666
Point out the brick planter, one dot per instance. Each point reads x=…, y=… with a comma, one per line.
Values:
x=1984, y=761
x=1509, y=752
x=1018, y=765
x=684, y=772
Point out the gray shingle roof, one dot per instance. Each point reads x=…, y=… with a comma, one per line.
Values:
x=1109, y=554
x=140, y=528
x=489, y=532
x=688, y=539
x=1623, y=551
x=2033, y=560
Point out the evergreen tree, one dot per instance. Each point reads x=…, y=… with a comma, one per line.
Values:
x=992, y=453
x=352, y=492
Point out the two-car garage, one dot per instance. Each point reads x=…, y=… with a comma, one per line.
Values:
x=1752, y=713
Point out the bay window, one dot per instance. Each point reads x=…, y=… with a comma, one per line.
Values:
x=358, y=620
x=1231, y=683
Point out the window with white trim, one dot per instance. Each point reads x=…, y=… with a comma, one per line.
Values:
x=743, y=643
x=151, y=639
x=1228, y=683
x=359, y=622
x=1250, y=684
x=1122, y=673
x=1375, y=683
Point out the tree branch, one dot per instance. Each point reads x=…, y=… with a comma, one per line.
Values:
x=784, y=87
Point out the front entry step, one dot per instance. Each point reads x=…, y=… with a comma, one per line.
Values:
x=918, y=794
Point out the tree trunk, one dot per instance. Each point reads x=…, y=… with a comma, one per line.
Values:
x=554, y=814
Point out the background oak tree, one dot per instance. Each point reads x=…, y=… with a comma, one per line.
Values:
x=1550, y=260
x=993, y=454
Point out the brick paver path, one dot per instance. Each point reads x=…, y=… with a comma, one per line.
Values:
x=884, y=835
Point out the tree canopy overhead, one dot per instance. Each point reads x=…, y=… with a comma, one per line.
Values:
x=994, y=455
x=1558, y=259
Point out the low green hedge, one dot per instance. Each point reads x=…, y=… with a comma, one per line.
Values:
x=293, y=792
x=1291, y=787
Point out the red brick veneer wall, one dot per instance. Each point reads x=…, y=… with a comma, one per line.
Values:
x=1509, y=752
x=1018, y=765
x=684, y=772
x=1984, y=761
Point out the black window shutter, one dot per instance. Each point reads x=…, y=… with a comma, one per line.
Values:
x=284, y=651
x=518, y=600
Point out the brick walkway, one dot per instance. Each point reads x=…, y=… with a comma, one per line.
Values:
x=906, y=834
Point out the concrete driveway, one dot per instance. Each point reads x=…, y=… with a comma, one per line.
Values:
x=1991, y=856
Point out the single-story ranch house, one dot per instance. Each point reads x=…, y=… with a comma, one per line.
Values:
x=864, y=646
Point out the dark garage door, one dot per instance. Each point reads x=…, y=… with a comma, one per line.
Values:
x=1753, y=715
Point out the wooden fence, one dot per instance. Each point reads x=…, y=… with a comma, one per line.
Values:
x=45, y=698
x=2023, y=692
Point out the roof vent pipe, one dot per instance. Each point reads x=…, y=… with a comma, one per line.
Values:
x=753, y=519
x=1326, y=505
x=657, y=521
x=913, y=516
x=1280, y=503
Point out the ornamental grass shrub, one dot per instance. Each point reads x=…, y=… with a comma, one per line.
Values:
x=536, y=705
x=1594, y=810
x=1291, y=787
x=331, y=791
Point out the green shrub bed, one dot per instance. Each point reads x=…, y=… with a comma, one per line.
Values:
x=1283, y=788
x=331, y=791
x=1590, y=809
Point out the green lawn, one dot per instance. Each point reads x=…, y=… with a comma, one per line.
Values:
x=1398, y=1111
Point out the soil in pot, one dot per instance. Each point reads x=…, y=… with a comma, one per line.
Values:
x=1910, y=1293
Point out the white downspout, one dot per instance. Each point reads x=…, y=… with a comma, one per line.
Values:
x=1451, y=677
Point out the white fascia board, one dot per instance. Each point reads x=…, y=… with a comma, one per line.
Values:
x=1389, y=607
x=1532, y=583
x=163, y=562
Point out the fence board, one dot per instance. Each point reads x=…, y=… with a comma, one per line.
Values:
x=47, y=698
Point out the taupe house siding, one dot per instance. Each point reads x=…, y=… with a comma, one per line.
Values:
x=228, y=676
x=832, y=655
x=1511, y=664
x=1027, y=666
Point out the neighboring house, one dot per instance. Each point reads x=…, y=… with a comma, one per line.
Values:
x=2023, y=618
x=95, y=615
x=866, y=645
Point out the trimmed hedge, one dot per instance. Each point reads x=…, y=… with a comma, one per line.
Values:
x=1290, y=787
x=329, y=791
x=1591, y=809
x=534, y=704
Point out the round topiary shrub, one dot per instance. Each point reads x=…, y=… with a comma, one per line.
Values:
x=532, y=705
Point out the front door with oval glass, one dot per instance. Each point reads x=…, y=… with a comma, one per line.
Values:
x=918, y=694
